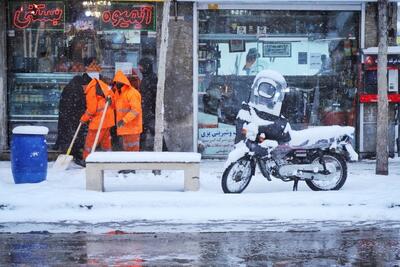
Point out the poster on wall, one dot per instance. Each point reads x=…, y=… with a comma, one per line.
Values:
x=261, y=30
x=36, y=15
x=128, y=16
x=132, y=37
x=237, y=46
x=277, y=49
x=241, y=30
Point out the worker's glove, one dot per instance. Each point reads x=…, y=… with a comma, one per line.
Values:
x=109, y=101
x=120, y=123
x=99, y=92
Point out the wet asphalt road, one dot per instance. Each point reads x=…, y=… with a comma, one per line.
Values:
x=356, y=247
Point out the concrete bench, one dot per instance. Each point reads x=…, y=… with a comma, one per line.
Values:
x=97, y=162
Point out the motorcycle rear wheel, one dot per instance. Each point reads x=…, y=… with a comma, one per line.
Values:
x=237, y=176
x=337, y=167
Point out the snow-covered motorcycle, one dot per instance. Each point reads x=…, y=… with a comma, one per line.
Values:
x=316, y=156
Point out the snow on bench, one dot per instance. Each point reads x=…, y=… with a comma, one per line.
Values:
x=97, y=162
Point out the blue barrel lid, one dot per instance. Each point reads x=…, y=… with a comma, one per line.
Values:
x=39, y=130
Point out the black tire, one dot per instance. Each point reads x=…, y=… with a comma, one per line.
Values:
x=239, y=179
x=340, y=166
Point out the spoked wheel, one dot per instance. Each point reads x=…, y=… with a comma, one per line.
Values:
x=237, y=176
x=335, y=176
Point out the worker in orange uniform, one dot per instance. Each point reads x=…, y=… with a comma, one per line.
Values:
x=128, y=107
x=97, y=93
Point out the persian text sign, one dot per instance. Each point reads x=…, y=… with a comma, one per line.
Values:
x=129, y=17
x=30, y=15
x=217, y=141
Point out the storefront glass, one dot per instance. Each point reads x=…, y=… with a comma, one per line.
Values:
x=49, y=42
x=316, y=52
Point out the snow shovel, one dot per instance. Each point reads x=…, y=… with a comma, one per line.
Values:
x=96, y=139
x=64, y=160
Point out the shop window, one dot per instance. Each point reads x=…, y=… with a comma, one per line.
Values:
x=77, y=36
x=316, y=52
x=49, y=42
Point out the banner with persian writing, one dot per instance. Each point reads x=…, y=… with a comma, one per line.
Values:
x=217, y=141
x=32, y=15
x=123, y=16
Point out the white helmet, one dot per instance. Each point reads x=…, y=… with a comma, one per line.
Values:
x=268, y=91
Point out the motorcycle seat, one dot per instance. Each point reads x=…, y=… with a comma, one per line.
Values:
x=306, y=145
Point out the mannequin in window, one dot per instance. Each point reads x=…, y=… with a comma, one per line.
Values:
x=252, y=65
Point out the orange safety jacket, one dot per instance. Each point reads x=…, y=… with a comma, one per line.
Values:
x=95, y=105
x=128, y=106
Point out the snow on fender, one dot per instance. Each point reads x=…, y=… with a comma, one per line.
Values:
x=239, y=151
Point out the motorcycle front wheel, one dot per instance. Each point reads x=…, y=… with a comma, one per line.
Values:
x=237, y=176
x=335, y=179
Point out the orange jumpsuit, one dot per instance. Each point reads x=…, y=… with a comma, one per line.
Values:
x=129, y=110
x=95, y=105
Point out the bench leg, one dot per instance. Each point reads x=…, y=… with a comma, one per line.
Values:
x=94, y=179
x=192, y=178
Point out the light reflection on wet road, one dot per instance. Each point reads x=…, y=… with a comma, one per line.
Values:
x=366, y=247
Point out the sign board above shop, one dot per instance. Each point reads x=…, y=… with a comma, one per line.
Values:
x=30, y=15
x=51, y=15
x=126, y=16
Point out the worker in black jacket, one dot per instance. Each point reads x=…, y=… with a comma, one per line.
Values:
x=71, y=107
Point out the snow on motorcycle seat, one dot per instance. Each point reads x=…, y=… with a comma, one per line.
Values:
x=97, y=162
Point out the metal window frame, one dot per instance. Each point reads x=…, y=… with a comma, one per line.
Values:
x=195, y=76
x=278, y=5
x=294, y=5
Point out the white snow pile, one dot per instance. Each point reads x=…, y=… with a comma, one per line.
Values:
x=123, y=156
x=36, y=130
x=313, y=135
x=158, y=200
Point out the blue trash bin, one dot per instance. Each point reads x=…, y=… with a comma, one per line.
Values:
x=29, y=154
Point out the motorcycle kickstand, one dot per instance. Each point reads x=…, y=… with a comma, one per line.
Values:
x=296, y=182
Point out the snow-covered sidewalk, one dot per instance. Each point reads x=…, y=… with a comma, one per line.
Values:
x=143, y=197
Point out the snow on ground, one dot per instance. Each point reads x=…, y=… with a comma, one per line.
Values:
x=143, y=197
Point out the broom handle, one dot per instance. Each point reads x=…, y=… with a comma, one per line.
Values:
x=98, y=130
x=73, y=139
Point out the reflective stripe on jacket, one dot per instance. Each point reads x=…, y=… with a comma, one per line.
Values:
x=128, y=107
x=95, y=105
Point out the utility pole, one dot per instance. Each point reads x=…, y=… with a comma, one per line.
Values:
x=382, y=153
x=159, y=124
